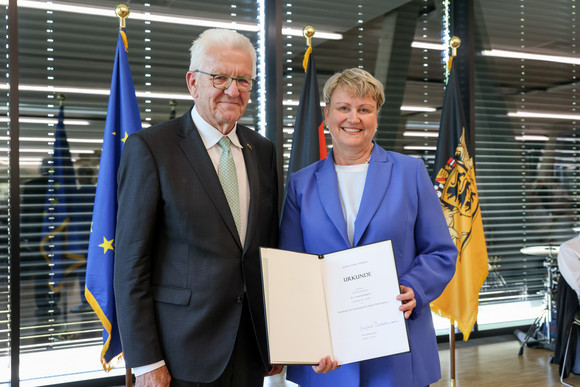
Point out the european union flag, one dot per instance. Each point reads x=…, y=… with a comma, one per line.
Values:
x=56, y=239
x=123, y=119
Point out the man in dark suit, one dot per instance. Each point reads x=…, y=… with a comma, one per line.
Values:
x=187, y=273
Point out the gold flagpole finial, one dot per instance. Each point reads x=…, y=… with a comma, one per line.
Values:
x=308, y=33
x=454, y=43
x=61, y=98
x=122, y=11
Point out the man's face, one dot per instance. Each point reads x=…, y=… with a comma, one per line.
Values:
x=221, y=108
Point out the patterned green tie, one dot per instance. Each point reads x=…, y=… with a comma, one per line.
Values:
x=229, y=179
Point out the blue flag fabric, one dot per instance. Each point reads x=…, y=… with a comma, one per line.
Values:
x=123, y=119
x=57, y=245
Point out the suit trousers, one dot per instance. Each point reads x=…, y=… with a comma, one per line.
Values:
x=245, y=367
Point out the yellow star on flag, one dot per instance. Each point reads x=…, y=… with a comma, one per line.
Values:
x=126, y=137
x=107, y=245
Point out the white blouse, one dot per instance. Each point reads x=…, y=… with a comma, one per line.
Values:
x=351, y=184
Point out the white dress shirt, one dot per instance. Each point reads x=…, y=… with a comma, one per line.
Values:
x=569, y=263
x=210, y=137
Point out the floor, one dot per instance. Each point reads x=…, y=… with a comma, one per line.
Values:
x=495, y=362
x=489, y=362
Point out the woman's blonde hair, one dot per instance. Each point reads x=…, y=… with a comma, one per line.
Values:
x=358, y=81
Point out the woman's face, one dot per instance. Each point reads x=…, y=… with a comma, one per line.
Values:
x=352, y=121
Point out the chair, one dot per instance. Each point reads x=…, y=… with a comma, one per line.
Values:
x=576, y=321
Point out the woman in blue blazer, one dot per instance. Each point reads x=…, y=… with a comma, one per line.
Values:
x=362, y=194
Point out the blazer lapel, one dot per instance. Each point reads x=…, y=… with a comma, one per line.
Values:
x=254, y=181
x=199, y=159
x=327, y=185
x=376, y=185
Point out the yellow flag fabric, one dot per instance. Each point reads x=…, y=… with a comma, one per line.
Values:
x=454, y=181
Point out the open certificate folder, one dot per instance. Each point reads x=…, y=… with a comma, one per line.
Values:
x=341, y=304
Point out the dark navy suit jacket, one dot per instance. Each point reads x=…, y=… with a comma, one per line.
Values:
x=180, y=269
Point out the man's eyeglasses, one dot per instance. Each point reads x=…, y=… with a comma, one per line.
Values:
x=222, y=82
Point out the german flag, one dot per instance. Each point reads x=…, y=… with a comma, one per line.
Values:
x=308, y=141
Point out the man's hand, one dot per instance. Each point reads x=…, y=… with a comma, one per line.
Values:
x=407, y=297
x=325, y=366
x=275, y=370
x=157, y=378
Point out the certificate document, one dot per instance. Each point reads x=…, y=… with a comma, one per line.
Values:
x=341, y=304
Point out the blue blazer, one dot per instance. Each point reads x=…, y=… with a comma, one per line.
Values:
x=400, y=204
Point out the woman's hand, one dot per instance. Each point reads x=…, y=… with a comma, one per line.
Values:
x=325, y=366
x=407, y=297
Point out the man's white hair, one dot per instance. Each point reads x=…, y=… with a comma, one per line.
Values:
x=220, y=38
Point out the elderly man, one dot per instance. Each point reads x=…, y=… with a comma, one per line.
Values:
x=197, y=197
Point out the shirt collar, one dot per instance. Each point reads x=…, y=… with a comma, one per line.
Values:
x=210, y=135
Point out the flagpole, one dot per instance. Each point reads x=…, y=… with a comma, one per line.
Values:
x=122, y=11
x=454, y=43
x=308, y=139
x=452, y=355
x=61, y=97
x=308, y=32
x=123, y=119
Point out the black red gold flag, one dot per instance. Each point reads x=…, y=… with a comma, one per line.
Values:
x=308, y=141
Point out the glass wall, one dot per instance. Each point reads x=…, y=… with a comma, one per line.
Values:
x=525, y=125
x=525, y=113
x=4, y=178
x=66, y=59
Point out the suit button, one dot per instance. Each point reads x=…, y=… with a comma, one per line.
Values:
x=240, y=299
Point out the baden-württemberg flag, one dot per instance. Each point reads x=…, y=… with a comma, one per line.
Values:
x=454, y=181
x=123, y=119
x=308, y=142
x=58, y=245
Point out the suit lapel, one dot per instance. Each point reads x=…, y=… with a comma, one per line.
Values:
x=199, y=159
x=327, y=185
x=376, y=185
x=254, y=181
